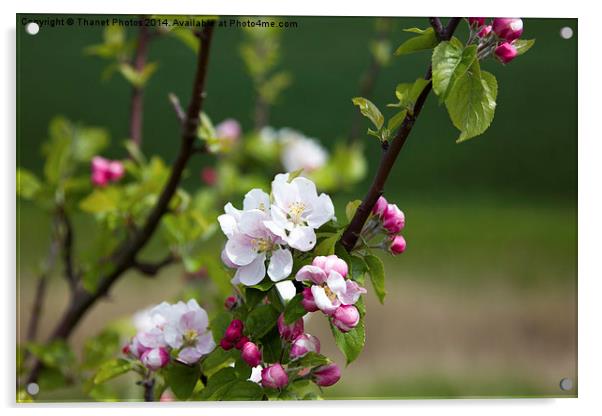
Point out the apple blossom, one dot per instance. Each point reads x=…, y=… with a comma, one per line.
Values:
x=230, y=302
x=380, y=207
x=303, y=344
x=250, y=354
x=326, y=375
x=506, y=52
x=251, y=243
x=329, y=290
x=234, y=331
x=300, y=152
x=485, y=31
x=228, y=129
x=398, y=245
x=292, y=331
x=476, y=21
x=274, y=377
x=241, y=342
x=330, y=263
x=308, y=301
x=508, y=28
x=346, y=317
x=393, y=219
x=155, y=358
x=298, y=210
x=256, y=374
x=105, y=171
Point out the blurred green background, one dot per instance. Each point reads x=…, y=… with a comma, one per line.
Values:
x=483, y=303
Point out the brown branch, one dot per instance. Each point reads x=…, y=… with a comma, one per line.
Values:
x=389, y=156
x=137, y=100
x=151, y=269
x=67, y=246
x=125, y=255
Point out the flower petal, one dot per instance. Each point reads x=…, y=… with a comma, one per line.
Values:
x=306, y=189
x=302, y=238
x=189, y=355
x=284, y=194
x=322, y=300
x=252, y=273
x=228, y=224
x=352, y=293
x=251, y=223
x=240, y=249
x=256, y=199
x=336, y=283
x=311, y=273
x=281, y=265
x=321, y=213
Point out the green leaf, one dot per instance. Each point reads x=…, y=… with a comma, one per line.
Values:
x=253, y=297
x=112, y=369
x=326, y=247
x=426, y=39
x=294, y=309
x=182, y=379
x=471, y=102
x=264, y=285
x=261, y=320
x=28, y=184
x=350, y=343
x=351, y=208
x=523, y=45
x=137, y=78
x=101, y=201
x=243, y=370
x=310, y=360
x=57, y=354
x=369, y=110
x=376, y=269
x=218, y=384
x=408, y=93
x=243, y=391
x=219, y=323
x=88, y=142
x=187, y=37
x=450, y=62
x=396, y=120
x=100, y=348
x=271, y=346
x=216, y=360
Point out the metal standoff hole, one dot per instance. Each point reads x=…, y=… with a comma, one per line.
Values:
x=566, y=384
x=33, y=389
x=32, y=28
x=566, y=32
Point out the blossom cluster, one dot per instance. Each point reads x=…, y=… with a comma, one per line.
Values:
x=105, y=171
x=177, y=330
x=278, y=375
x=268, y=227
x=330, y=291
x=298, y=151
x=500, y=34
x=390, y=219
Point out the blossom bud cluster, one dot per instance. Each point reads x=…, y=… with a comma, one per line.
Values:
x=105, y=171
x=392, y=220
x=171, y=330
x=499, y=36
x=331, y=291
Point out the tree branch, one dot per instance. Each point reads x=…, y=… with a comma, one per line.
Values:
x=67, y=243
x=389, y=156
x=151, y=269
x=125, y=254
x=137, y=100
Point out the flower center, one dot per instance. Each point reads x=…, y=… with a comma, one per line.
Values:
x=331, y=295
x=189, y=337
x=263, y=245
x=295, y=210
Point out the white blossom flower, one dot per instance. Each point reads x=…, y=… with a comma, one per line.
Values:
x=250, y=243
x=300, y=152
x=298, y=210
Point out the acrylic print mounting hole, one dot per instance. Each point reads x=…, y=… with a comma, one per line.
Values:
x=32, y=28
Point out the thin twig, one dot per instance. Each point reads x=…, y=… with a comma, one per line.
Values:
x=137, y=100
x=151, y=269
x=67, y=243
x=389, y=156
x=125, y=254
x=177, y=107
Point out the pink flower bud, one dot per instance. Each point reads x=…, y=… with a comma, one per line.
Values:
x=242, y=341
x=303, y=344
x=250, y=354
x=234, y=331
x=230, y=303
x=134, y=349
x=380, y=207
x=209, y=176
x=292, y=331
x=116, y=170
x=398, y=245
x=155, y=358
x=327, y=375
x=508, y=28
x=484, y=32
x=334, y=263
x=476, y=21
x=308, y=301
x=393, y=220
x=346, y=317
x=166, y=396
x=228, y=129
x=506, y=52
x=274, y=377
x=226, y=345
